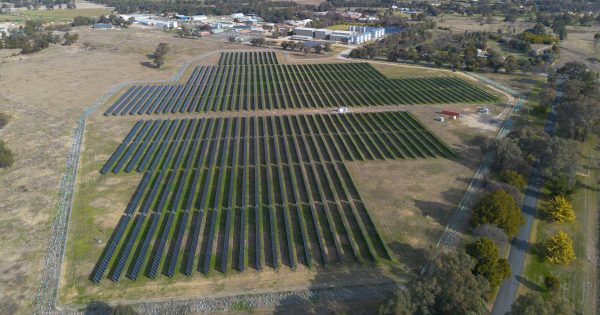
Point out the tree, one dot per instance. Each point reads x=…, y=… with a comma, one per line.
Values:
x=275, y=34
x=510, y=64
x=6, y=156
x=493, y=233
x=449, y=287
x=560, y=209
x=498, y=208
x=327, y=47
x=259, y=41
x=576, y=70
x=507, y=154
x=559, y=249
x=318, y=49
x=306, y=49
x=546, y=97
x=560, y=161
x=70, y=39
x=159, y=54
x=488, y=262
x=232, y=39
x=533, y=304
x=513, y=178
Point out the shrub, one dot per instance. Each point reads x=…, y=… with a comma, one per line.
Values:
x=513, y=178
x=552, y=283
x=560, y=209
x=6, y=156
x=498, y=208
x=4, y=118
x=559, y=249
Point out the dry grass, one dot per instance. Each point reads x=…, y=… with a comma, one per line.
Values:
x=411, y=201
x=579, y=46
x=45, y=93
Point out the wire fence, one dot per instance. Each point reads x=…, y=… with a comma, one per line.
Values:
x=46, y=298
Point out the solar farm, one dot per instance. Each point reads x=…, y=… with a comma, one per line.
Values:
x=228, y=187
x=247, y=82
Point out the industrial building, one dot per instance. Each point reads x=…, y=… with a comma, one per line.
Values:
x=304, y=31
x=355, y=35
x=341, y=36
x=364, y=34
x=158, y=23
x=322, y=33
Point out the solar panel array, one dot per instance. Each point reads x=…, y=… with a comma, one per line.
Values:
x=260, y=191
x=248, y=58
x=294, y=86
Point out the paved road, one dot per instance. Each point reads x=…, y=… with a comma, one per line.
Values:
x=520, y=243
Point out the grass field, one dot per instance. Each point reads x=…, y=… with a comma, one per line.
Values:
x=48, y=16
x=577, y=279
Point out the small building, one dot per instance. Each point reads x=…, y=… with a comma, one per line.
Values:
x=237, y=15
x=304, y=31
x=199, y=18
x=451, y=113
x=183, y=17
x=481, y=53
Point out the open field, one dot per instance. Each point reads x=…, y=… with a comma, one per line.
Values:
x=576, y=280
x=47, y=16
x=579, y=46
x=44, y=93
x=461, y=23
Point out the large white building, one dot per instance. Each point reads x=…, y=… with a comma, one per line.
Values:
x=158, y=23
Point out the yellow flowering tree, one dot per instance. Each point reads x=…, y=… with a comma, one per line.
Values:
x=559, y=249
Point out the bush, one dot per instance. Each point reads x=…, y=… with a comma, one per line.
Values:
x=560, y=209
x=4, y=118
x=498, y=208
x=552, y=283
x=513, y=178
x=559, y=249
x=6, y=156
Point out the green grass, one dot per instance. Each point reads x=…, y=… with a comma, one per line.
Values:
x=574, y=278
x=48, y=16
